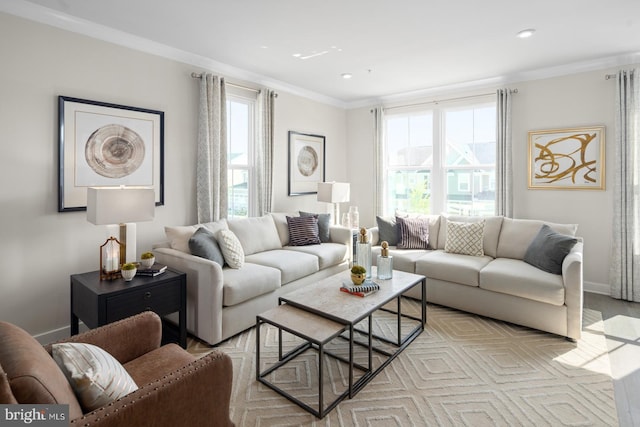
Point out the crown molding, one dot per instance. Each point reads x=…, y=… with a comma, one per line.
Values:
x=44, y=15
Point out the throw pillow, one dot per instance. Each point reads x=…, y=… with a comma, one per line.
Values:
x=413, y=233
x=231, y=248
x=465, y=238
x=303, y=230
x=203, y=244
x=179, y=236
x=387, y=230
x=548, y=249
x=96, y=377
x=324, y=224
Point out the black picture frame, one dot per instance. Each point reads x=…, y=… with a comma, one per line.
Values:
x=306, y=165
x=103, y=144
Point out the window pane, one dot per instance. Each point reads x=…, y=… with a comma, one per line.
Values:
x=471, y=191
x=238, y=133
x=409, y=191
x=410, y=140
x=238, y=180
x=470, y=136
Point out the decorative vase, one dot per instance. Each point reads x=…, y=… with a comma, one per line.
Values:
x=358, y=279
x=128, y=275
x=363, y=252
x=148, y=262
x=354, y=217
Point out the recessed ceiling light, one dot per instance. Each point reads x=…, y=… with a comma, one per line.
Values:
x=346, y=76
x=526, y=33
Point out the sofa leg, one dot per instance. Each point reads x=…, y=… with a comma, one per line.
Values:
x=573, y=340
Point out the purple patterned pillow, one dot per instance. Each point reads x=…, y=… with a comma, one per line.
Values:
x=303, y=230
x=413, y=233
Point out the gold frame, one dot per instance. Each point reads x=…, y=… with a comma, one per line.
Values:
x=567, y=159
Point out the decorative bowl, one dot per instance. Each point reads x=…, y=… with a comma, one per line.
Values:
x=358, y=278
x=148, y=262
x=128, y=275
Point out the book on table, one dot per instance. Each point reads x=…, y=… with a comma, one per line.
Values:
x=154, y=270
x=363, y=290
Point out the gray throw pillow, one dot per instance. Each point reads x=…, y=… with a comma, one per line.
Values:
x=548, y=249
x=203, y=243
x=387, y=230
x=324, y=223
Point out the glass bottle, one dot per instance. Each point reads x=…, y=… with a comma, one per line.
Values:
x=385, y=262
x=363, y=252
x=354, y=217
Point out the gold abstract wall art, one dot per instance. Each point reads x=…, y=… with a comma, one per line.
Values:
x=567, y=159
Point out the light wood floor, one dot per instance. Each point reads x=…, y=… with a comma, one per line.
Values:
x=622, y=329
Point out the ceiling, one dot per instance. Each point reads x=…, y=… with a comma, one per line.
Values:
x=390, y=47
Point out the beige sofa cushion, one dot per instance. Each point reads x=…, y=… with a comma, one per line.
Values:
x=492, y=227
x=462, y=269
x=248, y=282
x=179, y=235
x=515, y=277
x=292, y=264
x=280, y=220
x=256, y=234
x=403, y=259
x=328, y=254
x=517, y=234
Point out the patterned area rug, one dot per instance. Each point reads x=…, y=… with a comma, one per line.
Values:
x=462, y=370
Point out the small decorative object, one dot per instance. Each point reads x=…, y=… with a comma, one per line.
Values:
x=147, y=259
x=129, y=271
x=358, y=274
x=110, y=253
x=354, y=217
x=363, y=252
x=346, y=222
x=385, y=262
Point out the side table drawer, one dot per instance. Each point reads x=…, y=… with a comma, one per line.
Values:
x=162, y=299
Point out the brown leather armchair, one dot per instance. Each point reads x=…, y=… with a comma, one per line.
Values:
x=175, y=388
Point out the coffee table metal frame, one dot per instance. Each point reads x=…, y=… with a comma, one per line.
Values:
x=343, y=324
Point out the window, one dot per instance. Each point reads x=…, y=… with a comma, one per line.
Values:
x=240, y=146
x=440, y=160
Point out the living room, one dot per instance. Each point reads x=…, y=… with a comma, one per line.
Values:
x=43, y=247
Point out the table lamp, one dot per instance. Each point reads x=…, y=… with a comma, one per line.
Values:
x=336, y=193
x=123, y=206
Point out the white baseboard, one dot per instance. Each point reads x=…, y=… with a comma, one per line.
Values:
x=57, y=334
x=597, y=288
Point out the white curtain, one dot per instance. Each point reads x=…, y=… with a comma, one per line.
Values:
x=264, y=152
x=625, y=266
x=378, y=143
x=211, y=162
x=504, y=170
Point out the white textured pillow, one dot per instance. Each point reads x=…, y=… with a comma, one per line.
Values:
x=465, y=238
x=231, y=248
x=96, y=377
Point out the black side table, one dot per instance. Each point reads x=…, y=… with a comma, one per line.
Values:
x=98, y=302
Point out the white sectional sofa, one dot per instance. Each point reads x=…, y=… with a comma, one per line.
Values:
x=223, y=301
x=499, y=283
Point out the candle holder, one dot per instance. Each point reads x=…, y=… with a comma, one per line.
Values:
x=111, y=253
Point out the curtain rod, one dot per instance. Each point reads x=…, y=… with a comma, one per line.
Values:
x=199, y=76
x=436, y=101
x=610, y=76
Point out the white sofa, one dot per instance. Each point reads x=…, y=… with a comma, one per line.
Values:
x=499, y=284
x=223, y=301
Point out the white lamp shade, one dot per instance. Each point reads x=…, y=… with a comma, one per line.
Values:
x=119, y=205
x=333, y=192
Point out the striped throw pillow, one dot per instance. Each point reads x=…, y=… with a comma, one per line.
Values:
x=303, y=230
x=465, y=238
x=413, y=233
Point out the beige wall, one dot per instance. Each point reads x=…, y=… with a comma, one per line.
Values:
x=41, y=247
x=584, y=99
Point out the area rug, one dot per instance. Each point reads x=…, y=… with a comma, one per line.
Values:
x=463, y=370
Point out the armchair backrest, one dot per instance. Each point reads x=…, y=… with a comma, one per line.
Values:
x=31, y=376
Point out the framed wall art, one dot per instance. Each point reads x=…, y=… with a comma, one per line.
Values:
x=306, y=163
x=104, y=144
x=567, y=159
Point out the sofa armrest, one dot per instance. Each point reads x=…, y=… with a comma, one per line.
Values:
x=573, y=288
x=125, y=339
x=375, y=236
x=204, y=291
x=197, y=394
x=340, y=234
